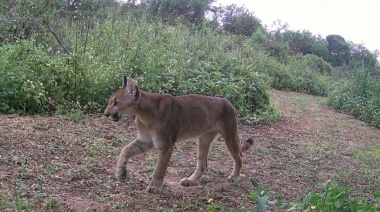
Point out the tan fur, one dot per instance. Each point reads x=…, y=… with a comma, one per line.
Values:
x=162, y=120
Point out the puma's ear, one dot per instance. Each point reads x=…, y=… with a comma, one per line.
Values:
x=125, y=82
x=133, y=92
x=131, y=89
x=136, y=94
x=130, y=85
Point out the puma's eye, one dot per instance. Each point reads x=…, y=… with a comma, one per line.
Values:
x=115, y=103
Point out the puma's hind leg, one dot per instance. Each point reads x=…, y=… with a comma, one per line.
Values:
x=233, y=145
x=203, y=146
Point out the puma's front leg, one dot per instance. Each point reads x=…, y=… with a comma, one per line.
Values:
x=136, y=147
x=155, y=186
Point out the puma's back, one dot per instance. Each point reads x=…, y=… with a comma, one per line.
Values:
x=201, y=114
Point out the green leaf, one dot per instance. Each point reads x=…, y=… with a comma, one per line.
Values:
x=255, y=184
x=337, y=203
x=262, y=203
x=295, y=207
x=213, y=207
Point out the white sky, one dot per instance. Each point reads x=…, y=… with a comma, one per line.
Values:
x=355, y=20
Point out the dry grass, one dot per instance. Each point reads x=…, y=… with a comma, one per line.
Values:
x=52, y=163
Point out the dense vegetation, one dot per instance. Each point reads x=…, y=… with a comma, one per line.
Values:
x=68, y=56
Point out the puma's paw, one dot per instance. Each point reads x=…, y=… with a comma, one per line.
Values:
x=121, y=174
x=153, y=190
x=187, y=182
x=233, y=177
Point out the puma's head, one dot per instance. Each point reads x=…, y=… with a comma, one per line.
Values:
x=123, y=101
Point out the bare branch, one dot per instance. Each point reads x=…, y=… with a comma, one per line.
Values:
x=56, y=37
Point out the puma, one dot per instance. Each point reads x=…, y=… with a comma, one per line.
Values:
x=162, y=120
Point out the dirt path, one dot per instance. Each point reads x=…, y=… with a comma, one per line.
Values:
x=315, y=143
x=63, y=165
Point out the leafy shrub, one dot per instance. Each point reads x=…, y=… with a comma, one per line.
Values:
x=34, y=82
x=317, y=64
x=359, y=97
x=261, y=198
x=258, y=195
x=159, y=57
x=25, y=78
x=332, y=198
x=298, y=75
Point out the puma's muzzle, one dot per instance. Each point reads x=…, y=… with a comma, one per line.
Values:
x=115, y=117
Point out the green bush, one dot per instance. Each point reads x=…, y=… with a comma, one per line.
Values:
x=359, y=97
x=333, y=197
x=26, y=78
x=329, y=196
x=34, y=82
x=298, y=75
x=162, y=59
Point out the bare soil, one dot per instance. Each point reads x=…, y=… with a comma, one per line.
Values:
x=60, y=164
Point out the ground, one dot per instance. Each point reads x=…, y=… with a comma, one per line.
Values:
x=62, y=164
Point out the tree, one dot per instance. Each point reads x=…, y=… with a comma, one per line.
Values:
x=321, y=49
x=278, y=26
x=261, y=37
x=339, y=50
x=362, y=57
x=22, y=19
x=238, y=20
x=192, y=11
x=299, y=42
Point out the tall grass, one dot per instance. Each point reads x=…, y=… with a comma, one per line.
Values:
x=359, y=96
x=82, y=69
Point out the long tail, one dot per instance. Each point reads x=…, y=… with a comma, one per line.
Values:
x=246, y=144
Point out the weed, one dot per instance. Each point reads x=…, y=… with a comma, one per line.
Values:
x=261, y=198
x=149, y=164
x=376, y=154
x=213, y=207
x=332, y=198
x=20, y=204
x=358, y=97
x=50, y=203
